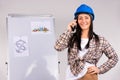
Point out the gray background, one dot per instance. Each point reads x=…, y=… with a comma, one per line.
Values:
x=106, y=23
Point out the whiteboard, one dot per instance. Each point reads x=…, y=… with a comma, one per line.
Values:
x=31, y=54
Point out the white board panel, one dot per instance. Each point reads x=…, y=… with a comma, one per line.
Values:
x=31, y=54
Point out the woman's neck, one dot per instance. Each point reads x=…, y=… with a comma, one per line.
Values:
x=84, y=34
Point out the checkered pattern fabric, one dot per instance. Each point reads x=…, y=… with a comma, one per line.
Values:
x=92, y=56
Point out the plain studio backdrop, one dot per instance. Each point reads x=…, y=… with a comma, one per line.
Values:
x=106, y=23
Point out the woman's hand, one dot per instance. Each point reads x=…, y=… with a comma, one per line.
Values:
x=72, y=24
x=93, y=70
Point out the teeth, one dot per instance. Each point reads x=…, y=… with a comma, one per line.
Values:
x=84, y=24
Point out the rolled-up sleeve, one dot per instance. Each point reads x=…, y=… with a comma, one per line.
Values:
x=112, y=57
x=62, y=42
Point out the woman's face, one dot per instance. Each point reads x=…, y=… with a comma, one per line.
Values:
x=84, y=21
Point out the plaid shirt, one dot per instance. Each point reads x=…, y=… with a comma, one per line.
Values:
x=92, y=56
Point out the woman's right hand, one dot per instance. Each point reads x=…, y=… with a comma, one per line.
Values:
x=71, y=25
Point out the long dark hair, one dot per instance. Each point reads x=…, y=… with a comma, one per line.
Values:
x=76, y=38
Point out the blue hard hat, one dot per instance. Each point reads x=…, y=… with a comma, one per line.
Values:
x=84, y=9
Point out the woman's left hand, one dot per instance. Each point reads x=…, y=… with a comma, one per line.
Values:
x=93, y=70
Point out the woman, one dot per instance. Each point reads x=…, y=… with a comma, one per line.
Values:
x=85, y=47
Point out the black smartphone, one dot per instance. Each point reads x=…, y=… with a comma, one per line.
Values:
x=74, y=27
